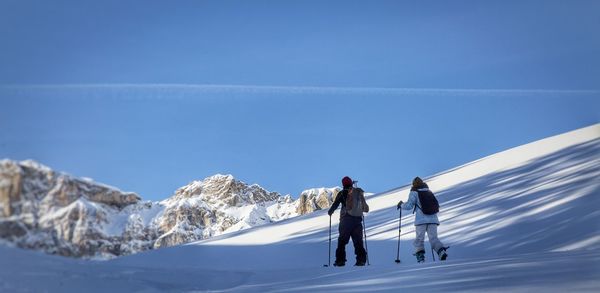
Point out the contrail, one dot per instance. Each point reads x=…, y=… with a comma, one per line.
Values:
x=179, y=90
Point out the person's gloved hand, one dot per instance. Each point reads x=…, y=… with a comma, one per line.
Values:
x=399, y=206
x=330, y=212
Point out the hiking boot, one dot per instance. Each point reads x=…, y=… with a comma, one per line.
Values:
x=442, y=253
x=339, y=264
x=420, y=255
x=360, y=264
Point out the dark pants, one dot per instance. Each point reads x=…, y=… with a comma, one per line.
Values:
x=350, y=227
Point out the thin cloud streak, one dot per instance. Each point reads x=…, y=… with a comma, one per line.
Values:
x=182, y=90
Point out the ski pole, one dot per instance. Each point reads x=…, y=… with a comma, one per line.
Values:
x=365, y=232
x=329, y=257
x=399, y=232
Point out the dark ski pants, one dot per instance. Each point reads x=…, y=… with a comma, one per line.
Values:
x=350, y=227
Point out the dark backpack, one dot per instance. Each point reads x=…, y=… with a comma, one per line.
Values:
x=429, y=204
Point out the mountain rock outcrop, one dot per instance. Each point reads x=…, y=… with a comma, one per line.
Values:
x=57, y=213
x=316, y=199
x=216, y=205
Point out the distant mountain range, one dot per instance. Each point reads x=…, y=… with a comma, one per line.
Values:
x=45, y=210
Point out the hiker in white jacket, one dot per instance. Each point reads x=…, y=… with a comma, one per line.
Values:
x=426, y=219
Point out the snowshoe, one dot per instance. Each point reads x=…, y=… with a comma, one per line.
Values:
x=420, y=255
x=339, y=264
x=442, y=253
x=359, y=264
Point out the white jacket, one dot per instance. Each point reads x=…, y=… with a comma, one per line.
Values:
x=420, y=218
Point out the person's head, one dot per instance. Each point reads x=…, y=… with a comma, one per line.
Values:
x=347, y=182
x=417, y=182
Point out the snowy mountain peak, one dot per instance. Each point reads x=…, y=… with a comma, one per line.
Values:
x=225, y=190
x=52, y=211
x=32, y=180
x=216, y=205
x=35, y=165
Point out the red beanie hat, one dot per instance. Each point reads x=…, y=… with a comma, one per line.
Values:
x=347, y=182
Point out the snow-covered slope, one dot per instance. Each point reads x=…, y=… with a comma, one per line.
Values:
x=538, y=197
x=522, y=220
x=577, y=271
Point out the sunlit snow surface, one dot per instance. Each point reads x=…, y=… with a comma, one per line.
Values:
x=524, y=220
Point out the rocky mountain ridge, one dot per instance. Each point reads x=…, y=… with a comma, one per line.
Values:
x=57, y=213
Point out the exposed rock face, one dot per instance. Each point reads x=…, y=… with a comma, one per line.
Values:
x=42, y=209
x=46, y=210
x=316, y=199
x=224, y=189
x=212, y=206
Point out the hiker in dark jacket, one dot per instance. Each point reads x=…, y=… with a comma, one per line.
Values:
x=353, y=205
x=424, y=222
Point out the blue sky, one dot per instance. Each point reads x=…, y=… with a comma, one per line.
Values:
x=116, y=90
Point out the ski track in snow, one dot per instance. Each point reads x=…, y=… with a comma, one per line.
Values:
x=523, y=220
